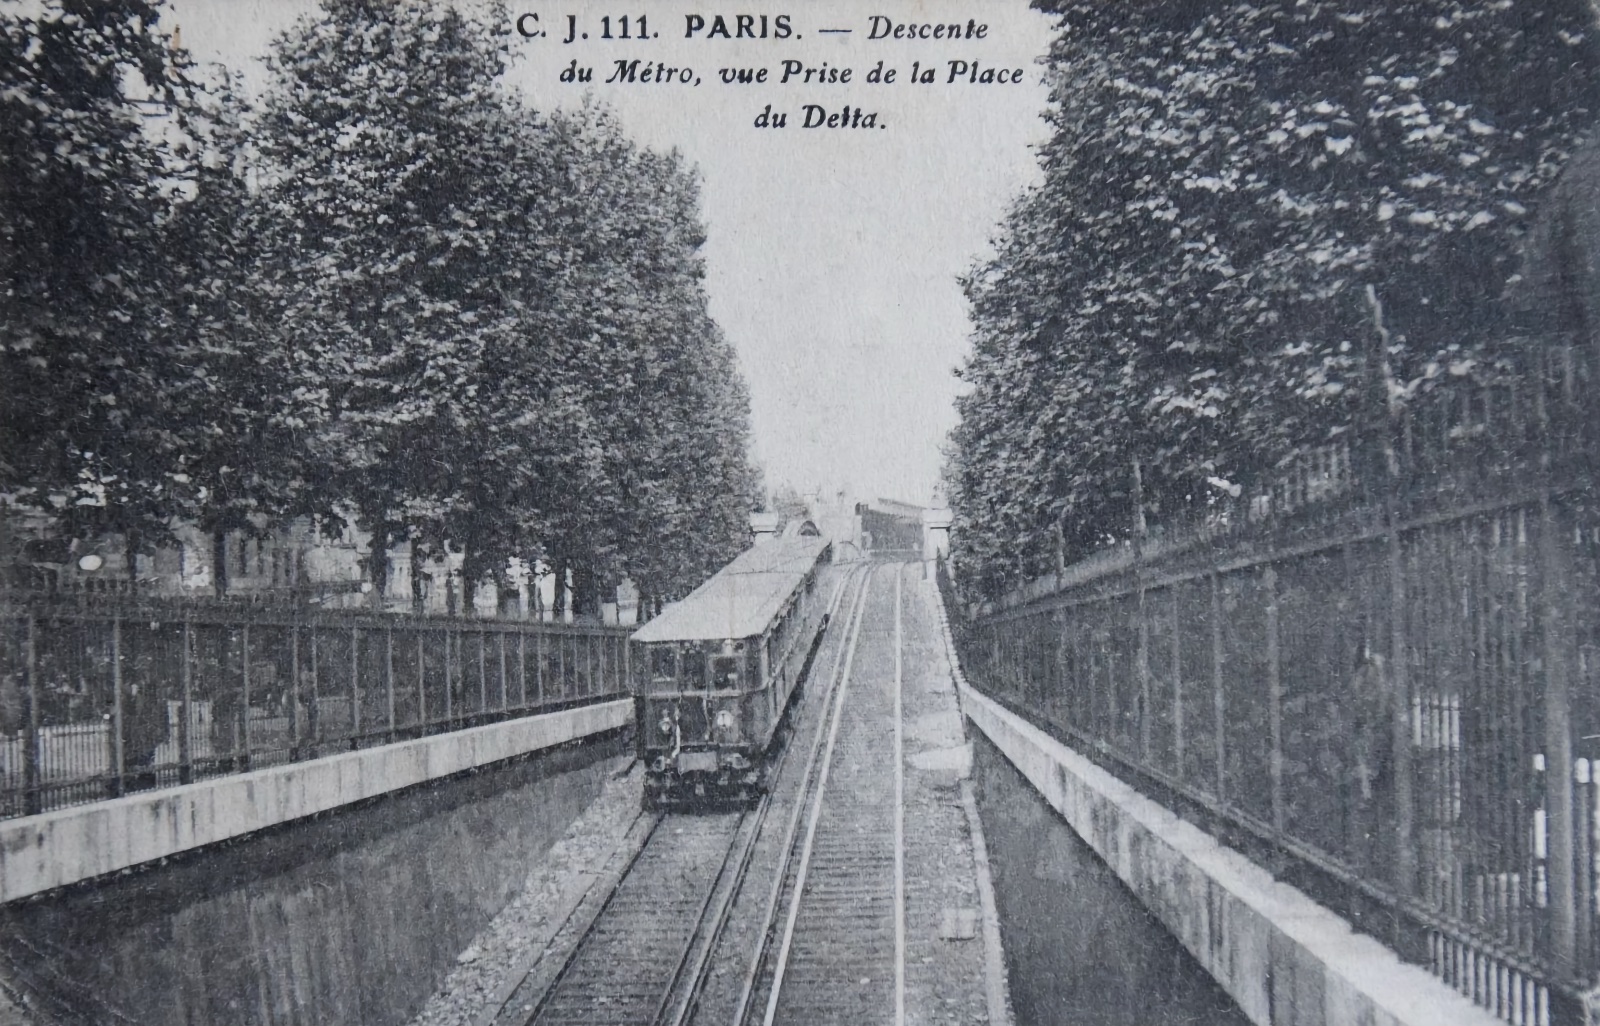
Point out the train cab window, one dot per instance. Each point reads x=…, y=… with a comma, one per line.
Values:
x=663, y=667
x=725, y=673
x=692, y=669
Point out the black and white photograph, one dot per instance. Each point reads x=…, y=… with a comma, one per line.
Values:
x=910, y=512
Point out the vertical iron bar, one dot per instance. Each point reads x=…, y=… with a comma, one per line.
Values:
x=1583, y=902
x=483, y=676
x=1219, y=701
x=1141, y=669
x=185, y=742
x=32, y=778
x=388, y=675
x=449, y=683
x=522, y=668
x=244, y=676
x=1400, y=715
x=1559, y=644
x=295, y=727
x=314, y=706
x=422, y=681
x=504, y=690
x=355, y=687
x=538, y=666
x=119, y=757
x=1269, y=580
x=1179, y=767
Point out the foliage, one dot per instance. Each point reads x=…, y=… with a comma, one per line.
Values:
x=1184, y=292
x=392, y=294
x=82, y=203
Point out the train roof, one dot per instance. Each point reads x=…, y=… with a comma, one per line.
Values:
x=740, y=600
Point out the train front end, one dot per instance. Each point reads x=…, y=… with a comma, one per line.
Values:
x=700, y=736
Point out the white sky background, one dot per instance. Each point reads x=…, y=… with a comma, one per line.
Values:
x=832, y=254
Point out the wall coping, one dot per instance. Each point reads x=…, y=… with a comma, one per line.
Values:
x=53, y=849
x=1284, y=958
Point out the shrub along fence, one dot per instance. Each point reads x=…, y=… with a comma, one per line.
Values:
x=1380, y=676
x=101, y=695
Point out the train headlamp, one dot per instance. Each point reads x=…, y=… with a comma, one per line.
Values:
x=725, y=719
x=665, y=725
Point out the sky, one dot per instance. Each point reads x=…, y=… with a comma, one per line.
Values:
x=833, y=254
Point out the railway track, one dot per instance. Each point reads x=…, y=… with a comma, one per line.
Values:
x=644, y=957
x=833, y=950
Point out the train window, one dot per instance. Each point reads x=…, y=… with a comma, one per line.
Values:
x=692, y=670
x=663, y=666
x=725, y=672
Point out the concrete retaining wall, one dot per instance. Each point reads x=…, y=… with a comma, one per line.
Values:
x=1286, y=960
x=53, y=849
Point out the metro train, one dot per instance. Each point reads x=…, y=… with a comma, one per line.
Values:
x=718, y=670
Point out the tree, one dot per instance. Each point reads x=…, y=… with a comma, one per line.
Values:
x=83, y=197
x=388, y=214
x=1185, y=292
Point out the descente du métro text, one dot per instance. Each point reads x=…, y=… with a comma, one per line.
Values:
x=572, y=28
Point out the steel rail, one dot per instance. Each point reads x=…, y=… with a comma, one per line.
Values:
x=730, y=895
x=786, y=942
x=769, y=918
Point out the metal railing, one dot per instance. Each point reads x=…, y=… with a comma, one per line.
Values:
x=1382, y=683
x=102, y=695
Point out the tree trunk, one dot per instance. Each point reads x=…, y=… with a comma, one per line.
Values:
x=558, y=606
x=469, y=592
x=219, y=562
x=130, y=552
x=508, y=602
x=378, y=564
x=582, y=591
x=417, y=605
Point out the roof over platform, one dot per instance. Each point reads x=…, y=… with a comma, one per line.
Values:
x=740, y=600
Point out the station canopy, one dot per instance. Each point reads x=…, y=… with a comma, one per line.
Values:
x=740, y=600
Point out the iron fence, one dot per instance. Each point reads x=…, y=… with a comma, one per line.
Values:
x=102, y=695
x=1379, y=677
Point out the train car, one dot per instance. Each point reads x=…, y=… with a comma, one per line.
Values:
x=718, y=670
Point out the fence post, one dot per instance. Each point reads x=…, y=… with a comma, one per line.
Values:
x=1559, y=644
x=422, y=682
x=1269, y=580
x=1142, y=671
x=1177, y=689
x=295, y=727
x=449, y=684
x=1583, y=832
x=388, y=676
x=314, y=706
x=1400, y=714
x=119, y=772
x=32, y=778
x=522, y=668
x=483, y=675
x=1219, y=700
x=355, y=688
x=185, y=738
x=505, y=692
x=244, y=676
x=538, y=667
